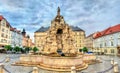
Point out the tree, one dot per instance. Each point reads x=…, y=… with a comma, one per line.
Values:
x=35, y=49
x=27, y=49
x=17, y=49
x=85, y=49
x=22, y=50
x=8, y=47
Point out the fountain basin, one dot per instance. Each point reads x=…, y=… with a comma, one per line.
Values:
x=55, y=63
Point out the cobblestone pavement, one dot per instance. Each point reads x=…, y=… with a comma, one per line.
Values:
x=95, y=68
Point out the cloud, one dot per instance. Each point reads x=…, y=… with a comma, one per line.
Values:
x=32, y=14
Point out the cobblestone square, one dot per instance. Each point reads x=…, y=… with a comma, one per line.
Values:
x=95, y=68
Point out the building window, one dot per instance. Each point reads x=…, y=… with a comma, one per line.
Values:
x=6, y=31
x=112, y=50
x=105, y=44
x=6, y=36
x=100, y=45
x=118, y=41
x=2, y=35
x=1, y=40
x=3, y=23
x=105, y=50
x=2, y=29
x=111, y=43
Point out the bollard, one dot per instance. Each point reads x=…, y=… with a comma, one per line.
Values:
x=73, y=69
x=7, y=59
x=35, y=70
x=116, y=67
x=112, y=61
x=1, y=68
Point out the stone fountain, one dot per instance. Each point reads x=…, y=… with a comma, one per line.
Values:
x=59, y=52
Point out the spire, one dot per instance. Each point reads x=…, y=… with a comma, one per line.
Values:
x=58, y=12
x=23, y=32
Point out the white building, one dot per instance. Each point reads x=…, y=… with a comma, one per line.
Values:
x=107, y=41
x=16, y=37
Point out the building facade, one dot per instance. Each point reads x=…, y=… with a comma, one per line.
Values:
x=4, y=32
x=89, y=42
x=59, y=36
x=16, y=37
x=107, y=41
x=26, y=41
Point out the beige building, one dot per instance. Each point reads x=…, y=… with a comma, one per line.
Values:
x=4, y=32
x=89, y=42
x=59, y=36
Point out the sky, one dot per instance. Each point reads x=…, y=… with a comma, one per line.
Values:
x=89, y=15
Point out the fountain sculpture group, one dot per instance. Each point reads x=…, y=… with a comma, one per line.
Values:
x=59, y=52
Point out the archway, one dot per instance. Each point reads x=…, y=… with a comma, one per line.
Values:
x=59, y=31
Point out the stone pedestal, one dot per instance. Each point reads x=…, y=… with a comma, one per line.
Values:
x=1, y=68
x=73, y=69
x=116, y=67
x=35, y=70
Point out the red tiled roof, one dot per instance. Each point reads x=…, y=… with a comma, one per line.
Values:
x=108, y=31
x=1, y=17
x=11, y=29
x=18, y=31
x=14, y=29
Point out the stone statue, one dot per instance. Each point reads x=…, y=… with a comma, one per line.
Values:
x=58, y=12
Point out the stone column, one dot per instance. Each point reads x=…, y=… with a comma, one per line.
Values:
x=35, y=70
x=73, y=69
x=112, y=61
x=1, y=68
x=116, y=67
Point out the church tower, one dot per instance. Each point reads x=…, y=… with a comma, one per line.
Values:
x=23, y=32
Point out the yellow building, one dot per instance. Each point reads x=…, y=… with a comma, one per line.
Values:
x=59, y=36
x=29, y=41
x=89, y=42
x=26, y=41
x=4, y=32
